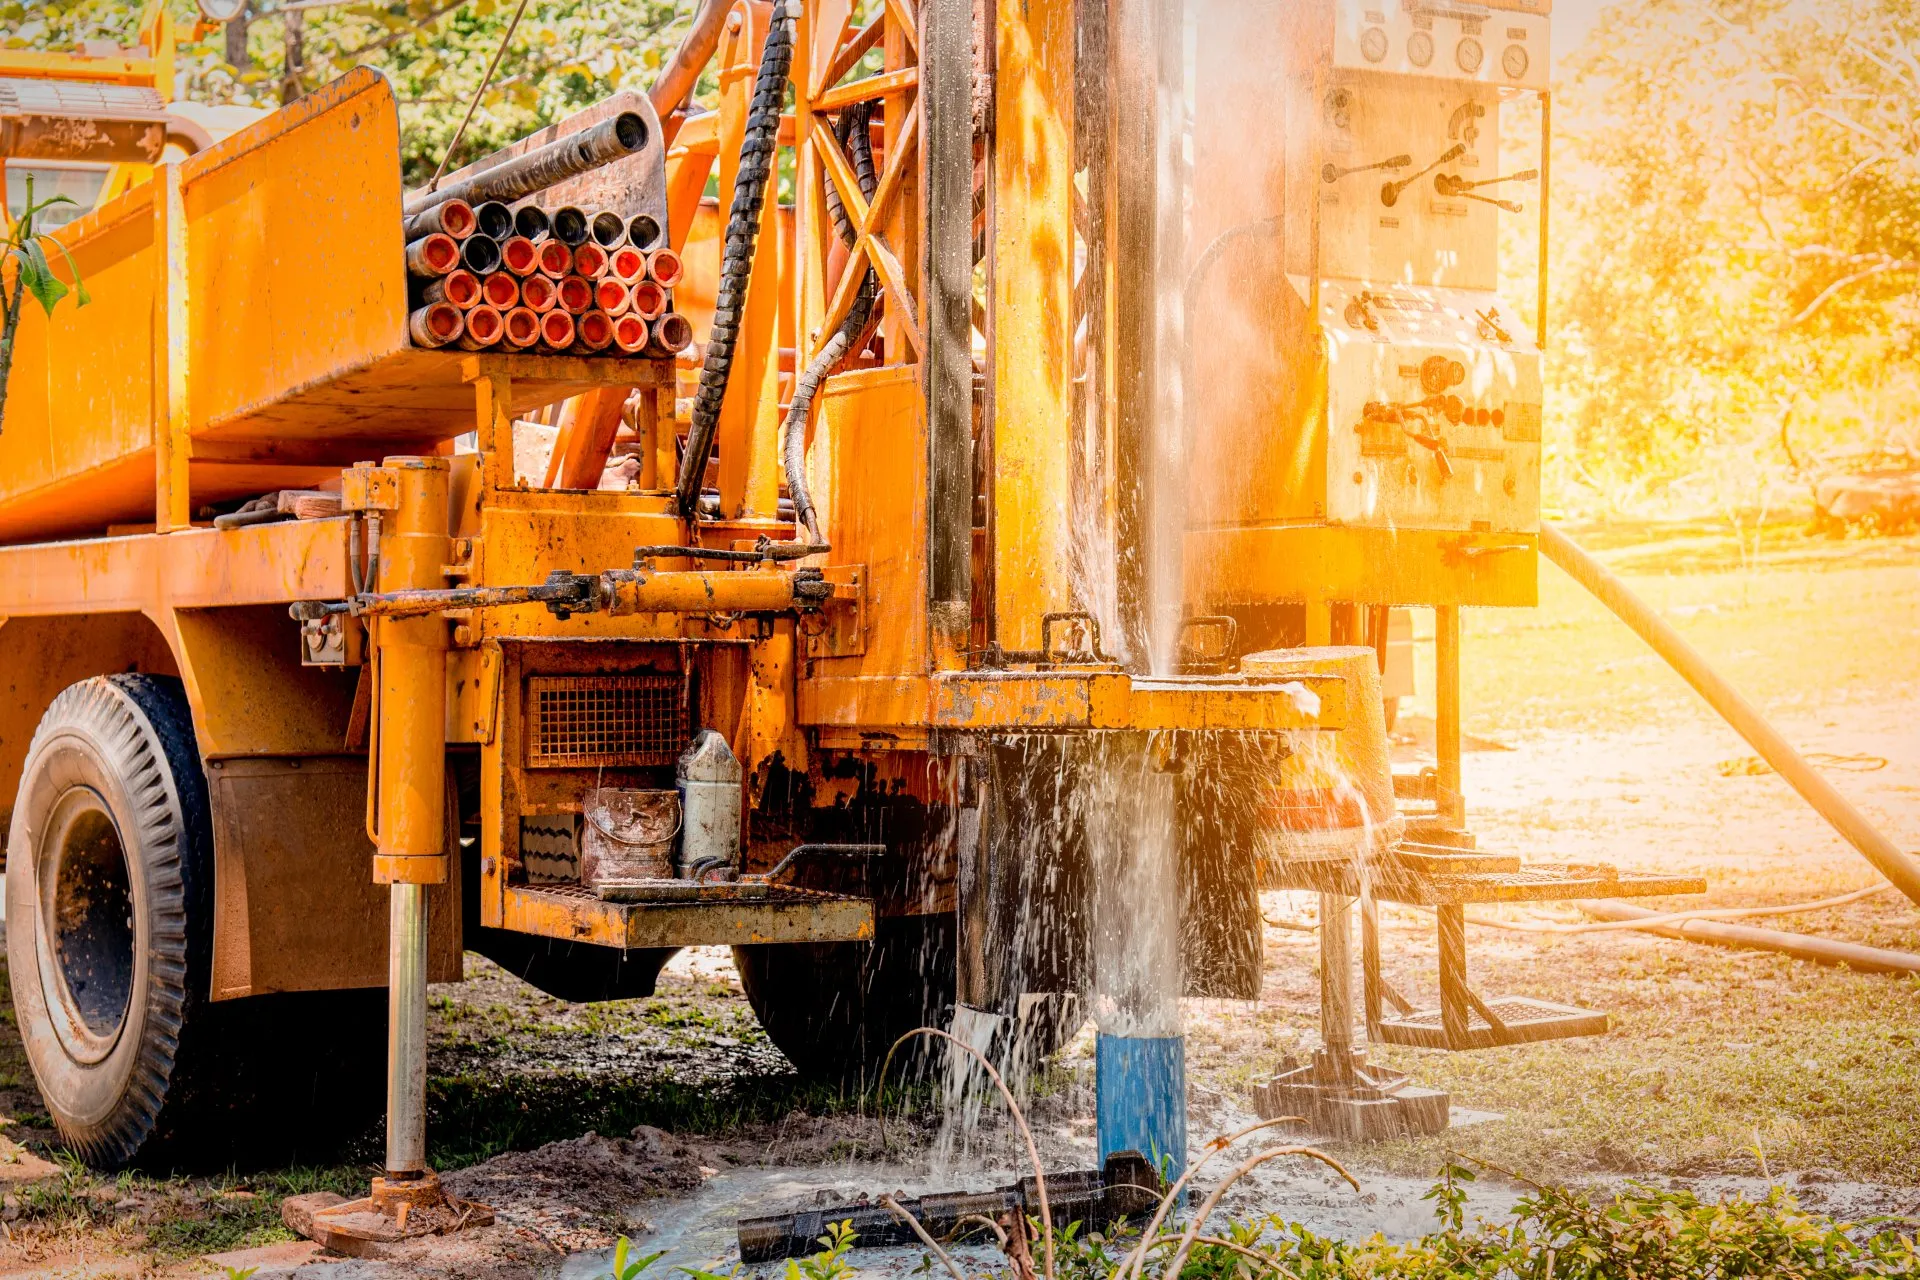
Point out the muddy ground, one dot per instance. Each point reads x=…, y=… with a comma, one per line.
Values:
x=1723, y=1068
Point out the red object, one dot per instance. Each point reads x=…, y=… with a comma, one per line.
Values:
x=484, y=326
x=590, y=260
x=501, y=290
x=664, y=265
x=595, y=330
x=556, y=329
x=522, y=327
x=555, y=258
x=539, y=293
x=627, y=263
x=520, y=256
x=630, y=333
x=649, y=300
x=576, y=294
x=612, y=296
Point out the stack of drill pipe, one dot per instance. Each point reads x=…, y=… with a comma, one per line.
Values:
x=489, y=276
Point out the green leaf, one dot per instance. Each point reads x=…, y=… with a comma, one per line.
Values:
x=80, y=295
x=38, y=276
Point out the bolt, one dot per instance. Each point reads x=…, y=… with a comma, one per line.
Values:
x=463, y=634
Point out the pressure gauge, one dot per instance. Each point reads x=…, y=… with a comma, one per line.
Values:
x=1468, y=54
x=1514, y=62
x=1373, y=44
x=221, y=10
x=1420, y=48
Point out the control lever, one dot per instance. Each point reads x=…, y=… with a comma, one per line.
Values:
x=1448, y=184
x=1331, y=172
x=1390, y=192
x=1511, y=206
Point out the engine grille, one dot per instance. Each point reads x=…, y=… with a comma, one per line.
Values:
x=605, y=721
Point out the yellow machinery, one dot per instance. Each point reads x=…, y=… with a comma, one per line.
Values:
x=927, y=547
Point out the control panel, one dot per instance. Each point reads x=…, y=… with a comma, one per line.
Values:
x=1498, y=43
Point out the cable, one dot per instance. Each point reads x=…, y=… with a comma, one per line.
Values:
x=479, y=89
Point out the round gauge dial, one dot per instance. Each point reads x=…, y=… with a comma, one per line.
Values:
x=1514, y=62
x=1469, y=55
x=221, y=10
x=1420, y=48
x=1373, y=44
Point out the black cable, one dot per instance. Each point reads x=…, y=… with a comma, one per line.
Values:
x=853, y=130
x=736, y=262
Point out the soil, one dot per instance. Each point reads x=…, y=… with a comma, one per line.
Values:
x=1724, y=1070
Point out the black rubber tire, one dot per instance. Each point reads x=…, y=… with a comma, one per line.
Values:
x=110, y=971
x=111, y=773
x=834, y=1009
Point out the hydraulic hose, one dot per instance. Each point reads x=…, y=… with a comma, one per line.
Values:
x=1886, y=856
x=736, y=262
x=854, y=132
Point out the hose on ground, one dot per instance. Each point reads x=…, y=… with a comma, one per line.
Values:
x=853, y=132
x=736, y=261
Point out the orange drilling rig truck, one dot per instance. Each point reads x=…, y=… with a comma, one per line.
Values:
x=969, y=605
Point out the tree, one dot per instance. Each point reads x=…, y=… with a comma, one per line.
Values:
x=1737, y=244
x=26, y=251
x=565, y=55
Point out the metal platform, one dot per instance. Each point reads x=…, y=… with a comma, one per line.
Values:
x=691, y=915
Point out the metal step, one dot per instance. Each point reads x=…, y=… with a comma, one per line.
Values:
x=1522, y=1020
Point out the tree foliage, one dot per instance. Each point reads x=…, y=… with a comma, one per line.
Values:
x=565, y=55
x=1738, y=245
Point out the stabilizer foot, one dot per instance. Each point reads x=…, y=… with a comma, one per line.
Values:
x=1351, y=1100
x=394, y=1211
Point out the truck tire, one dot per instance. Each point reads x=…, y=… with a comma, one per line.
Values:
x=110, y=947
x=109, y=906
x=834, y=1009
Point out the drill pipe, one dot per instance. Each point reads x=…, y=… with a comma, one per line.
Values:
x=434, y=325
x=484, y=324
x=433, y=255
x=480, y=254
x=520, y=255
x=542, y=167
x=649, y=300
x=665, y=266
x=556, y=329
x=595, y=331
x=1852, y=825
x=608, y=228
x=630, y=333
x=502, y=291
x=576, y=294
x=643, y=232
x=612, y=296
x=454, y=218
x=531, y=221
x=537, y=292
x=590, y=260
x=1126, y=1188
x=522, y=328
x=461, y=288
x=556, y=259
x=672, y=333
x=627, y=263
x=570, y=226
x=493, y=219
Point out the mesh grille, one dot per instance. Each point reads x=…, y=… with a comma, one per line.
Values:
x=612, y=721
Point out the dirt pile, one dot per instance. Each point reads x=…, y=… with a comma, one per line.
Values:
x=580, y=1193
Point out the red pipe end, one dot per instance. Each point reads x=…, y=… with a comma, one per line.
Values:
x=630, y=333
x=538, y=292
x=556, y=259
x=461, y=288
x=649, y=300
x=611, y=296
x=522, y=327
x=664, y=265
x=596, y=330
x=519, y=255
x=457, y=219
x=435, y=325
x=627, y=264
x=433, y=255
x=590, y=260
x=576, y=294
x=556, y=329
x=484, y=326
x=502, y=291
x=673, y=332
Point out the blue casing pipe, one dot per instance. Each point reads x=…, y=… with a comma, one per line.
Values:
x=1140, y=1088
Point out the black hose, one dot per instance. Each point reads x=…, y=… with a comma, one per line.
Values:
x=853, y=131
x=736, y=262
